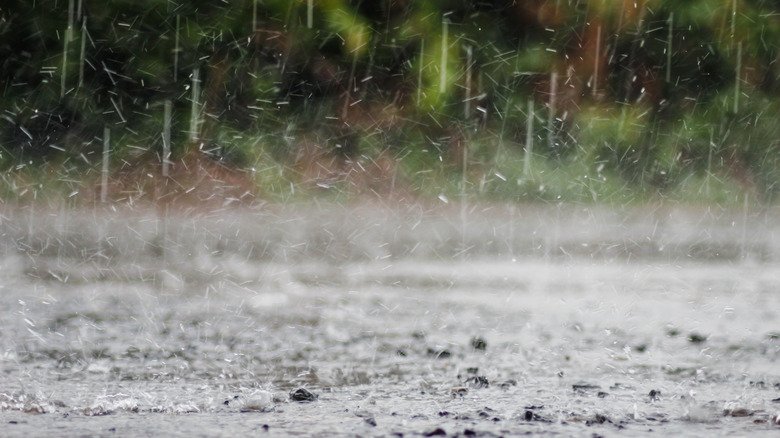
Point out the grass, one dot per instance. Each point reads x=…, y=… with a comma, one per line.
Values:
x=604, y=154
x=319, y=175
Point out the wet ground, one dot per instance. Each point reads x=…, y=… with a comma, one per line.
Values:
x=374, y=322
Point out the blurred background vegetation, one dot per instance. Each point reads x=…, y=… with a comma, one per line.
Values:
x=602, y=100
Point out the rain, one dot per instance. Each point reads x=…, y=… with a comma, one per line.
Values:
x=389, y=218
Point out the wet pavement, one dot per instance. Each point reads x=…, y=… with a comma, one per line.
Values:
x=638, y=327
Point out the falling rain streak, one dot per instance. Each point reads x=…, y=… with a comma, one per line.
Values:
x=105, y=170
x=195, y=107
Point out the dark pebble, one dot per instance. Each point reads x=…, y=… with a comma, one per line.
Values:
x=739, y=412
x=439, y=354
x=478, y=344
x=602, y=394
x=654, y=394
x=478, y=382
x=436, y=432
x=598, y=419
x=532, y=416
x=303, y=395
x=695, y=338
x=488, y=413
x=776, y=400
x=584, y=387
x=370, y=421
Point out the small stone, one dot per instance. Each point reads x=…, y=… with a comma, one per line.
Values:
x=478, y=382
x=478, y=344
x=303, y=395
x=654, y=394
x=435, y=432
x=458, y=391
x=33, y=408
x=598, y=419
x=487, y=412
x=695, y=338
x=439, y=354
x=582, y=387
x=738, y=412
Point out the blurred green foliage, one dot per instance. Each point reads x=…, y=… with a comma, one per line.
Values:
x=643, y=96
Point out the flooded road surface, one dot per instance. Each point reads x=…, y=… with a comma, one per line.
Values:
x=513, y=324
